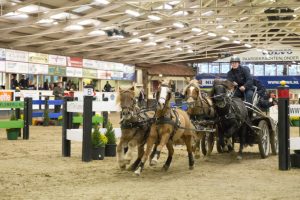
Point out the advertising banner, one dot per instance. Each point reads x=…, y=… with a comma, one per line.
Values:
x=2, y=54
x=57, y=71
x=89, y=73
x=74, y=62
x=128, y=76
x=16, y=67
x=101, y=74
x=57, y=60
x=6, y=95
x=92, y=64
x=117, y=75
x=270, y=82
x=281, y=53
x=2, y=66
x=74, y=72
x=14, y=55
x=37, y=68
x=129, y=68
x=102, y=65
x=108, y=74
x=38, y=58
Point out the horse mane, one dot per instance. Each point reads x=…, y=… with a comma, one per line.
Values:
x=122, y=91
x=194, y=82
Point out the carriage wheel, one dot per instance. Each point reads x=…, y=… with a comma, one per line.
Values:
x=274, y=141
x=207, y=143
x=264, y=139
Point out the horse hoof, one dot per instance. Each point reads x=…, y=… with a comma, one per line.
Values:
x=126, y=162
x=239, y=157
x=122, y=167
x=165, y=168
x=153, y=162
x=191, y=167
x=138, y=172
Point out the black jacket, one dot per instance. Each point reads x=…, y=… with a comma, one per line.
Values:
x=241, y=76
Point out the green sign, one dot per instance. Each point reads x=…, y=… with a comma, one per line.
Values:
x=89, y=73
x=11, y=104
x=57, y=71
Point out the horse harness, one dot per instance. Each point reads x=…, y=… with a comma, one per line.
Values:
x=171, y=119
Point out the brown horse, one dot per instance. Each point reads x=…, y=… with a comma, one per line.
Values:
x=200, y=110
x=134, y=127
x=170, y=127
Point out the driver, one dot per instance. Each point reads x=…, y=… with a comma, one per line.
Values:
x=241, y=77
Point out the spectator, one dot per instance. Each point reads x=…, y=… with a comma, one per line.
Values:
x=46, y=85
x=22, y=82
x=13, y=82
x=58, y=93
x=241, y=77
x=107, y=87
x=141, y=98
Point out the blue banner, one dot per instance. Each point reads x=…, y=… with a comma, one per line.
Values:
x=270, y=82
x=128, y=76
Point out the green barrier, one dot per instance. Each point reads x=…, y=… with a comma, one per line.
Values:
x=79, y=119
x=12, y=124
x=11, y=104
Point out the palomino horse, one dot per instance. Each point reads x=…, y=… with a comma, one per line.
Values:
x=134, y=127
x=170, y=127
x=233, y=119
x=201, y=112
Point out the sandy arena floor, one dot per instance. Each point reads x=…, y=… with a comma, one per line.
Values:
x=35, y=169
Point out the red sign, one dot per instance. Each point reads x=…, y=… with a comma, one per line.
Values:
x=75, y=62
x=283, y=93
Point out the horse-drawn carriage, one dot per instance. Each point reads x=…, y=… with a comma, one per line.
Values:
x=232, y=116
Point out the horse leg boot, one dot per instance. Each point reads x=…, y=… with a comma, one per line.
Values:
x=120, y=155
x=170, y=156
x=242, y=136
x=136, y=163
x=150, y=142
x=164, y=139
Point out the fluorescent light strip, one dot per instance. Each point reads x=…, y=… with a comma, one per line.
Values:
x=231, y=31
x=154, y=17
x=237, y=42
x=247, y=45
x=198, y=30
x=178, y=25
x=212, y=34
x=225, y=38
x=132, y=13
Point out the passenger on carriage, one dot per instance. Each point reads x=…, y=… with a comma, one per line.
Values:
x=265, y=100
x=240, y=76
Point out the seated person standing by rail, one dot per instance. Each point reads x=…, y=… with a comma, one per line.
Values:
x=240, y=76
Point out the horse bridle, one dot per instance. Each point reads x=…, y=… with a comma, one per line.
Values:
x=128, y=109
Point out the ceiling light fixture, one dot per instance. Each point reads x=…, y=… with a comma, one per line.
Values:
x=225, y=38
x=135, y=40
x=104, y=2
x=178, y=25
x=151, y=44
x=237, y=42
x=212, y=34
x=97, y=33
x=132, y=13
x=231, y=31
x=154, y=17
x=220, y=26
x=74, y=27
x=247, y=45
x=198, y=30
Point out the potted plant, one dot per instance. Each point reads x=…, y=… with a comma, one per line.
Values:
x=99, y=141
x=12, y=133
x=295, y=120
x=110, y=147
